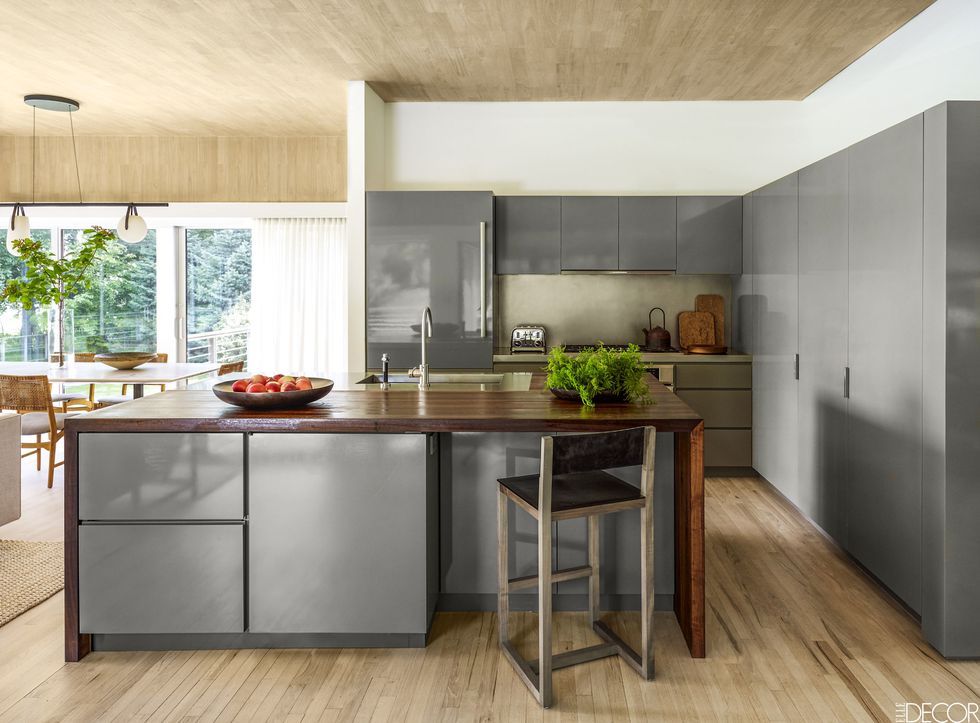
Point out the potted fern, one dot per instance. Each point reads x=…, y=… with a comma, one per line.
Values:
x=50, y=281
x=598, y=375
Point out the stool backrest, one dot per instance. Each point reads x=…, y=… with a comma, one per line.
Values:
x=85, y=356
x=597, y=450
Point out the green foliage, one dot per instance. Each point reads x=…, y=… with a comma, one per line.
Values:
x=219, y=278
x=599, y=370
x=49, y=280
x=117, y=312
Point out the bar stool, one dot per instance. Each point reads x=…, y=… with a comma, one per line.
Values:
x=572, y=483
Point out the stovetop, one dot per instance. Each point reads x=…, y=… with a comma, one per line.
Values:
x=575, y=348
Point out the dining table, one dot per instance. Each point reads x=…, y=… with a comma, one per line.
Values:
x=99, y=373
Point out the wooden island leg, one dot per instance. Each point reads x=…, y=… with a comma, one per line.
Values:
x=689, y=537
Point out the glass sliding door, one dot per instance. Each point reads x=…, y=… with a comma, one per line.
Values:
x=218, y=277
x=23, y=334
x=119, y=310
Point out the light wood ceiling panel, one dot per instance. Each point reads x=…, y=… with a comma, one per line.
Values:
x=278, y=67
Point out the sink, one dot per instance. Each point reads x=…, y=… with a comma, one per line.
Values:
x=460, y=378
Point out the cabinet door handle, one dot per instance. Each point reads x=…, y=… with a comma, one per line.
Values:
x=483, y=279
x=847, y=382
x=796, y=367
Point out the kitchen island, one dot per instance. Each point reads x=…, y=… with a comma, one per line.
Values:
x=190, y=523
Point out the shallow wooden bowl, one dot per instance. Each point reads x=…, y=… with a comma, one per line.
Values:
x=125, y=359
x=706, y=349
x=273, y=400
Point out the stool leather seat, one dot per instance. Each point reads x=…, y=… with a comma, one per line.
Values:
x=575, y=491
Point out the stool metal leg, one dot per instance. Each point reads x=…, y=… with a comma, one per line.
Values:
x=544, y=577
x=503, y=555
x=646, y=556
x=594, y=564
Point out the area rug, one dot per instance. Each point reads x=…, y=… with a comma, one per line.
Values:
x=30, y=573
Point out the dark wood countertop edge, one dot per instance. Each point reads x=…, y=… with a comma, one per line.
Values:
x=379, y=426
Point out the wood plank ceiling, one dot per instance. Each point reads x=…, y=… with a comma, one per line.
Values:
x=278, y=67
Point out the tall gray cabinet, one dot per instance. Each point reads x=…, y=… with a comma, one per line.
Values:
x=884, y=460
x=775, y=262
x=886, y=311
x=823, y=309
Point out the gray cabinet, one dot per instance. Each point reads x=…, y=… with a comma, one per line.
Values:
x=823, y=341
x=884, y=461
x=161, y=578
x=589, y=233
x=528, y=234
x=343, y=532
x=743, y=299
x=138, y=476
x=430, y=249
x=647, y=233
x=709, y=234
x=774, y=407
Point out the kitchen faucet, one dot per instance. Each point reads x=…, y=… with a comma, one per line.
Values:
x=426, y=334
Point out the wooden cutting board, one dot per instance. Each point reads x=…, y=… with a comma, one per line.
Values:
x=714, y=304
x=695, y=327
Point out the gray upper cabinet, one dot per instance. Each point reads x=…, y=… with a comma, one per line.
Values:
x=528, y=237
x=647, y=233
x=709, y=234
x=589, y=233
x=884, y=479
x=435, y=249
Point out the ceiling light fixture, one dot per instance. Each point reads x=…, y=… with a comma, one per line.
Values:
x=132, y=226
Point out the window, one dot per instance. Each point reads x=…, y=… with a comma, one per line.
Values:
x=23, y=334
x=119, y=311
x=218, y=277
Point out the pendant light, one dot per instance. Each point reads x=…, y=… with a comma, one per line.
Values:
x=132, y=227
x=20, y=228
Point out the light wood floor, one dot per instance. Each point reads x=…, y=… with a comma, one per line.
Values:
x=795, y=632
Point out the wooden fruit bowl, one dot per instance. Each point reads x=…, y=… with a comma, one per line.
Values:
x=273, y=400
x=125, y=359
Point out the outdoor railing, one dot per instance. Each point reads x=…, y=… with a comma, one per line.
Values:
x=224, y=346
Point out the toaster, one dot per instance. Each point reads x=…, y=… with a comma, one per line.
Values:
x=528, y=337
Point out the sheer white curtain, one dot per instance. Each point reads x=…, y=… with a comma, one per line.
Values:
x=299, y=296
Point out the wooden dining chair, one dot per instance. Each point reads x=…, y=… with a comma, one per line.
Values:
x=80, y=401
x=30, y=396
x=231, y=368
x=107, y=401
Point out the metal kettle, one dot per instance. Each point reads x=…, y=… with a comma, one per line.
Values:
x=657, y=337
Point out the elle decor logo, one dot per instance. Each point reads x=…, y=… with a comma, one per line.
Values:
x=937, y=713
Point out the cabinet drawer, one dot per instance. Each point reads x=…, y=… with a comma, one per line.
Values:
x=134, y=476
x=713, y=376
x=161, y=578
x=721, y=407
x=728, y=447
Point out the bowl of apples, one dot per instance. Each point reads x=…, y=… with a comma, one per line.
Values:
x=280, y=391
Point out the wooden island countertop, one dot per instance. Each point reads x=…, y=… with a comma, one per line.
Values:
x=364, y=410
x=535, y=410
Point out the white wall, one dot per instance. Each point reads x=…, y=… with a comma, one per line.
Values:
x=683, y=147
x=365, y=172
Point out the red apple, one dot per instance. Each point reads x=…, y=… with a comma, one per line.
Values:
x=289, y=387
x=304, y=383
x=255, y=388
x=272, y=386
x=260, y=379
x=276, y=377
x=240, y=386
x=287, y=378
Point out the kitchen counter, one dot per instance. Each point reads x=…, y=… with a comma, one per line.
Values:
x=503, y=356
x=190, y=523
